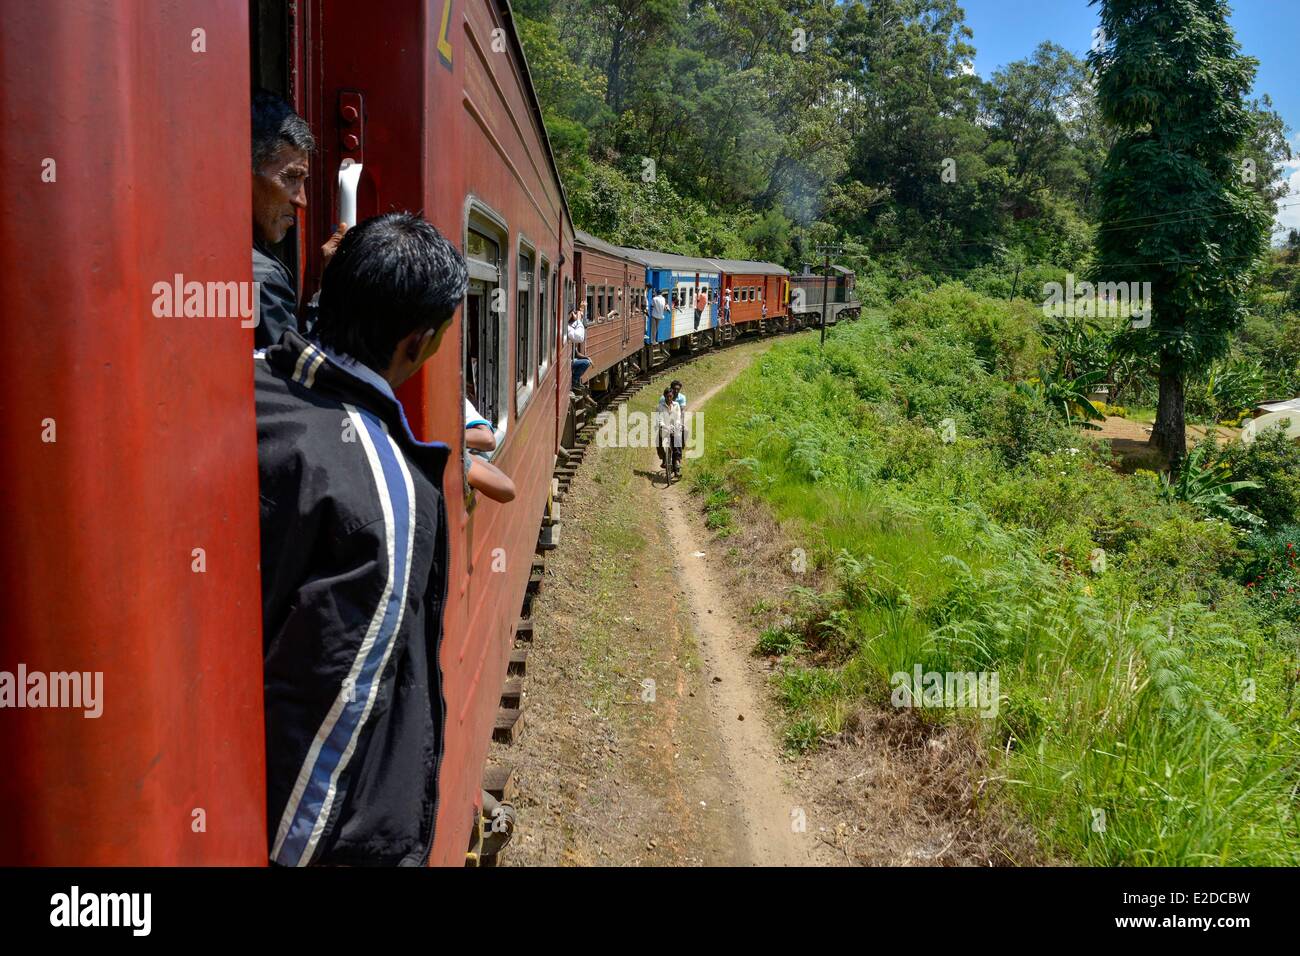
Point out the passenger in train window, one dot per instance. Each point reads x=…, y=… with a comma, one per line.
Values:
x=354, y=557
x=479, y=435
x=282, y=142
x=481, y=474
x=577, y=334
x=701, y=303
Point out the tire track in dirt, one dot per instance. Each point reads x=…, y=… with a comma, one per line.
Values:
x=779, y=826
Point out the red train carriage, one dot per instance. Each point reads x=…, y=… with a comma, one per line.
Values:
x=753, y=285
x=611, y=283
x=131, y=537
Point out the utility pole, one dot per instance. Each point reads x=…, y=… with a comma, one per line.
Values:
x=827, y=249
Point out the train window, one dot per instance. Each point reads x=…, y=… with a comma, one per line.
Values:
x=600, y=305
x=591, y=304
x=551, y=320
x=545, y=308
x=485, y=310
x=524, y=322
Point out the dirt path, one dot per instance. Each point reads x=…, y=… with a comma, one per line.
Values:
x=779, y=829
x=1128, y=441
x=632, y=753
x=652, y=732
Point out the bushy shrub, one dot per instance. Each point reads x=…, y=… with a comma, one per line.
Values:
x=1003, y=335
x=1272, y=461
x=1273, y=572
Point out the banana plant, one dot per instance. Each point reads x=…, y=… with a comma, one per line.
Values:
x=1208, y=488
x=1065, y=394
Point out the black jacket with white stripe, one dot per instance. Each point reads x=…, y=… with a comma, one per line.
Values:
x=354, y=581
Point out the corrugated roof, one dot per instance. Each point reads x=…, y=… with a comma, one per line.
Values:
x=669, y=260
x=750, y=267
x=817, y=273
x=592, y=242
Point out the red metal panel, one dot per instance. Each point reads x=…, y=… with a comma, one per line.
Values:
x=155, y=452
x=608, y=341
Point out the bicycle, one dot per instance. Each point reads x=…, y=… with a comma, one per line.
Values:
x=671, y=454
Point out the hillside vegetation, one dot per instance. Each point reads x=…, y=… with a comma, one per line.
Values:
x=953, y=520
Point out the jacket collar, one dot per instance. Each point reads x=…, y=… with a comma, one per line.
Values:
x=341, y=377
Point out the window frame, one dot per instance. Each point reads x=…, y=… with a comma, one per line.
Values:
x=524, y=390
x=482, y=219
x=545, y=315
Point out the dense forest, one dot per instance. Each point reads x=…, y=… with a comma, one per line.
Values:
x=763, y=127
x=767, y=128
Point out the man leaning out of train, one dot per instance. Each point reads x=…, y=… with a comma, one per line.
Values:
x=282, y=142
x=354, y=557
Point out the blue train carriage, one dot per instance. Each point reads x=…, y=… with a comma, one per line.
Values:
x=679, y=278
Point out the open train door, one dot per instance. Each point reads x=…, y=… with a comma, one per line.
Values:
x=129, y=551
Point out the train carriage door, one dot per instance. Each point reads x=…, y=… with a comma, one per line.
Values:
x=275, y=65
x=131, y=538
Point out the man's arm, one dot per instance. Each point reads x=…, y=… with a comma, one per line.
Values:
x=480, y=438
x=491, y=480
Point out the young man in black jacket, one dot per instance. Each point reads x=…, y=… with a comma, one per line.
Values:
x=354, y=557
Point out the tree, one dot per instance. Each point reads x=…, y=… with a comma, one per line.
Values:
x=1177, y=208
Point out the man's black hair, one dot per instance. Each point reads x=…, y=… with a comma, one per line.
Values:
x=675, y=384
x=392, y=275
x=276, y=124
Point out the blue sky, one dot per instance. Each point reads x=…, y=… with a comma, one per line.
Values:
x=1269, y=30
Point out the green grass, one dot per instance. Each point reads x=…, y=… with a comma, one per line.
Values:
x=1124, y=732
